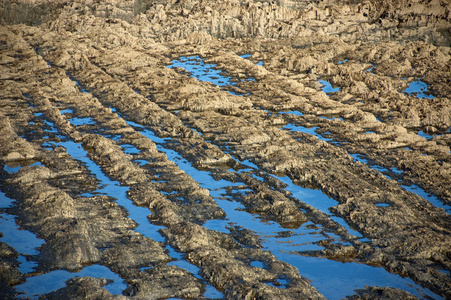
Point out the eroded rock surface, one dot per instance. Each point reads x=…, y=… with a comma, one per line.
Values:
x=113, y=134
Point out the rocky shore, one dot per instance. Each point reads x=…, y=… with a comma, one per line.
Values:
x=107, y=133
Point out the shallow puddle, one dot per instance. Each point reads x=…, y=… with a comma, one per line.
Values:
x=201, y=70
x=291, y=112
x=279, y=283
x=430, y=136
x=308, y=130
x=333, y=279
x=327, y=87
x=27, y=265
x=382, y=204
x=81, y=121
x=425, y=135
x=419, y=89
x=336, y=280
x=23, y=241
x=179, y=261
x=130, y=149
x=11, y=170
x=54, y=280
x=82, y=89
x=333, y=118
x=196, y=67
x=361, y=158
x=317, y=199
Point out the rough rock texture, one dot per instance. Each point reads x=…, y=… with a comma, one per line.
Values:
x=10, y=275
x=96, y=77
x=381, y=293
x=84, y=288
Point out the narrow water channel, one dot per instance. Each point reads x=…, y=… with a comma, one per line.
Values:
x=27, y=244
x=334, y=279
x=434, y=200
x=114, y=189
x=416, y=88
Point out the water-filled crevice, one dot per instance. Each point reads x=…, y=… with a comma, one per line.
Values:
x=49, y=282
x=23, y=241
x=418, y=89
x=327, y=87
x=396, y=174
x=216, y=224
x=299, y=241
x=303, y=246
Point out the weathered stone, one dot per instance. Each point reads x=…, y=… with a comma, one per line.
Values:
x=106, y=65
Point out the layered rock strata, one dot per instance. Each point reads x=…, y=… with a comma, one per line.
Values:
x=109, y=63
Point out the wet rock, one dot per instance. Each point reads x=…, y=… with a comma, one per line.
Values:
x=132, y=254
x=272, y=205
x=111, y=155
x=222, y=262
x=163, y=281
x=84, y=288
x=245, y=237
x=17, y=148
x=381, y=293
x=108, y=61
x=203, y=154
x=10, y=275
